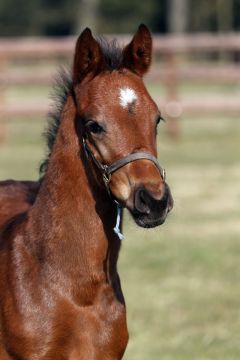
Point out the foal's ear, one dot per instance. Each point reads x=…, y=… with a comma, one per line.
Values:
x=88, y=57
x=137, y=55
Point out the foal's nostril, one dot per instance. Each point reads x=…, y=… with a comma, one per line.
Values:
x=149, y=210
x=141, y=201
x=145, y=203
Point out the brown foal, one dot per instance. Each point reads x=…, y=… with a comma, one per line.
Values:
x=60, y=293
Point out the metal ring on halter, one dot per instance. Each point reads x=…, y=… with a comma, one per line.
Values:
x=106, y=175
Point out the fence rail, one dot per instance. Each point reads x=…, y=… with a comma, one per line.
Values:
x=171, y=73
x=217, y=73
x=37, y=46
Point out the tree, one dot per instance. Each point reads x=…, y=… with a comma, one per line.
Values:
x=178, y=16
x=225, y=15
x=87, y=16
x=124, y=16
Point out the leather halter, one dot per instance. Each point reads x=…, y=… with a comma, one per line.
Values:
x=107, y=170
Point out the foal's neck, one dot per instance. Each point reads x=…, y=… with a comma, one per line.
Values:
x=74, y=220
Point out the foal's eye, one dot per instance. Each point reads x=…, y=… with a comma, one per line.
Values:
x=94, y=127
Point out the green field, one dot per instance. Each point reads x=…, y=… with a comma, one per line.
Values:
x=181, y=280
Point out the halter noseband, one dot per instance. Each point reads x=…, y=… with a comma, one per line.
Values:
x=107, y=170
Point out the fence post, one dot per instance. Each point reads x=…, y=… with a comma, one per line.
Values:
x=173, y=107
x=3, y=67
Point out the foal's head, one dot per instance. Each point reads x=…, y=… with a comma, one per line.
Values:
x=118, y=117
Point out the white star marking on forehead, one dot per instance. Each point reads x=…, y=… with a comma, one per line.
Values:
x=127, y=97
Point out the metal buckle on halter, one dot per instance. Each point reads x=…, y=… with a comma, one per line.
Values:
x=106, y=175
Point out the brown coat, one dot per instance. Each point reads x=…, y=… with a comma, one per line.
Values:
x=60, y=292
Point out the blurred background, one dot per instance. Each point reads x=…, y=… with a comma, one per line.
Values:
x=181, y=280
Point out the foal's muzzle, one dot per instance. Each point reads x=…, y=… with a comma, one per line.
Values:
x=148, y=211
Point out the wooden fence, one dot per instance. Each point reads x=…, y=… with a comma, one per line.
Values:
x=171, y=72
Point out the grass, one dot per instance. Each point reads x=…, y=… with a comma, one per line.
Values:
x=181, y=280
x=22, y=150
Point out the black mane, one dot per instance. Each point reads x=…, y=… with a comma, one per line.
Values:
x=63, y=85
x=112, y=53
